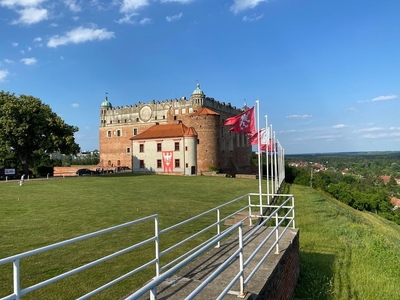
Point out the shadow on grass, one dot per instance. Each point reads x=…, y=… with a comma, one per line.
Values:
x=316, y=275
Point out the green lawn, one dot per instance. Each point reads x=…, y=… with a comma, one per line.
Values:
x=345, y=254
x=42, y=212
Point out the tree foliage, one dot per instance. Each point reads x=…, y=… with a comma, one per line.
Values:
x=29, y=128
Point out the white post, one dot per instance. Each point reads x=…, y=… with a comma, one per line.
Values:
x=259, y=157
x=266, y=156
x=276, y=166
x=17, y=287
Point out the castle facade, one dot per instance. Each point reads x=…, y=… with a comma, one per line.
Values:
x=181, y=136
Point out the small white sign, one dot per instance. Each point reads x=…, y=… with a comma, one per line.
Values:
x=9, y=171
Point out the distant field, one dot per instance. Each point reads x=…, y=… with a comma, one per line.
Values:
x=42, y=212
x=345, y=254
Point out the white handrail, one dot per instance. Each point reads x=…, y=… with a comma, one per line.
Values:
x=182, y=260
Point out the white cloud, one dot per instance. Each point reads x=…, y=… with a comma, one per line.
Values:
x=62, y=57
x=29, y=61
x=29, y=48
x=240, y=5
x=369, y=129
x=22, y=52
x=339, y=126
x=145, y=21
x=9, y=61
x=127, y=19
x=174, y=17
x=74, y=105
x=72, y=5
x=252, y=18
x=381, y=135
x=53, y=25
x=383, y=98
x=299, y=116
x=394, y=128
x=132, y=5
x=31, y=15
x=3, y=75
x=179, y=1
x=80, y=35
x=24, y=3
x=15, y=44
x=38, y=39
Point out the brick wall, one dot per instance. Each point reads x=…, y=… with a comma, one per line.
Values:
x=282, y=282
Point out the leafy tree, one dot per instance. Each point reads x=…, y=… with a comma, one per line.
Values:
x=29, y=127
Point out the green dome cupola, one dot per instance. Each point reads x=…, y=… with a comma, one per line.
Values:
x=106, y=103
x=198, y=90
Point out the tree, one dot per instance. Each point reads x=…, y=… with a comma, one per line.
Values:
x=29, y=127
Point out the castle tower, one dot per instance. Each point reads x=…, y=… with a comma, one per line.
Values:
x=105, y=105
x=197, y=97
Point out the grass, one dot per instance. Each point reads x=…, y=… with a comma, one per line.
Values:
x=344, y=253
x=43, y=212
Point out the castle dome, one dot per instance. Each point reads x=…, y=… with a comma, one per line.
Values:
x=106, y=103
x=198, y=90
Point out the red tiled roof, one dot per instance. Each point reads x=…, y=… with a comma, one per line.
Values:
x=165, y=131
x=385, y=179
x=395, y=201
x=204, y=111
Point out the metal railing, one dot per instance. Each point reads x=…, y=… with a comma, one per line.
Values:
x=282, y=213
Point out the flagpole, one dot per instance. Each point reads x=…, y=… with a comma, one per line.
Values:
x=266, y=156
x=276, y=166
x=259, y=157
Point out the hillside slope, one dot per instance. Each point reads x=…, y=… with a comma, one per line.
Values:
x=345, y=253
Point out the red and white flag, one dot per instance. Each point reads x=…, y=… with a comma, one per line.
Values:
x=253, y=137
x=167, y=161
x=244, y=122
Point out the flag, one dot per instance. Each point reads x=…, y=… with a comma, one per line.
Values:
x=253, y=137
x=270, y=147
x=168, y=157
x=244, y=122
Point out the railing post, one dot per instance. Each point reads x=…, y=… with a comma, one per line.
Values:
x=157, y=246
x=276, y=233
x=293, y=212
x=250, y=220
x=241, y=261
x=17, y=288
x=218, y=227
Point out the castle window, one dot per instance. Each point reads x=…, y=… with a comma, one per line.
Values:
x=174, y=118
x=176, y=146
x=118, y=162
x=187, y=165
x=137, y=119
x=110, y=121
x=128, y=150
x=141, y=164
x=163, y=117
x=141, y=148
x=159, y=163
x=186, y=148
x=177, y=163
x=155, y=118
x=119, y=132
x=125, y=120
x=118, y=121
x=134, y=131
x=109, y=163
x=159, y=147
x=198, y=141
x=109, y=133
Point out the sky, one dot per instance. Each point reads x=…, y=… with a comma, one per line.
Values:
x=325, y=73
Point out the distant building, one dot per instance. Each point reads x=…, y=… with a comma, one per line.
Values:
x=141, y=136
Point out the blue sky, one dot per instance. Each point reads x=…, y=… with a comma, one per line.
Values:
x=325, y=72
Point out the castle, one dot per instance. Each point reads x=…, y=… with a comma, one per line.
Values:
x=179, y=136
